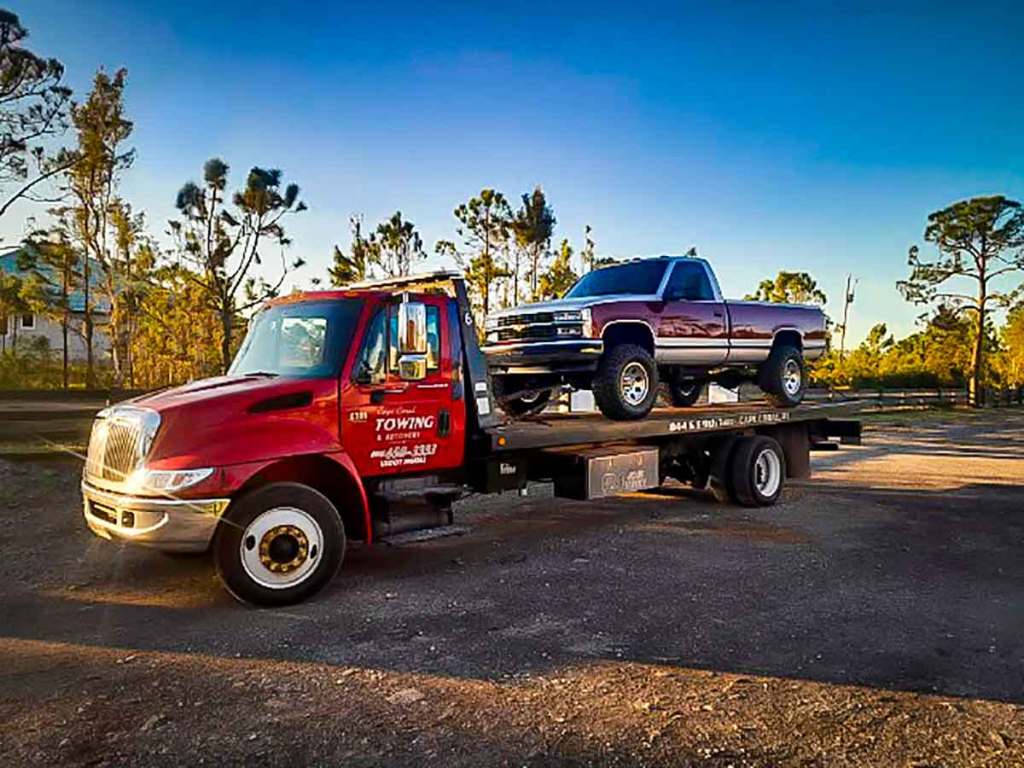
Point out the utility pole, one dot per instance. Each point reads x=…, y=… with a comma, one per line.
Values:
x=847, y=301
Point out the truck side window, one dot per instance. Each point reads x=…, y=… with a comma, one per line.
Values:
x=371, y=367
x=689, y=282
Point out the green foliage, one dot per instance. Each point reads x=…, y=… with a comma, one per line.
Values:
x=398, y=246
x=560, y=276
x=533, y=225
x=224, y=243
x=484, y=227
x=358, y=263
x=33, y=111
x=977, y=241
x=1009, y=364
x=789, y=288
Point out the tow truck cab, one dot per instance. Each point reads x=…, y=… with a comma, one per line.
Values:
x=350, y=415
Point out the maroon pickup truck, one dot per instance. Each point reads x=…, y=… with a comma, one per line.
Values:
x=622, y=329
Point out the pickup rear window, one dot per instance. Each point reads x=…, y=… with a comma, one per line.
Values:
x=641, y=278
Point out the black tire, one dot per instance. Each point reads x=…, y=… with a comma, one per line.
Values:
x=757, y=471
x=685, y=392
x=321, y=552
x=521, y=407
x=775, y=377
x=608, y=381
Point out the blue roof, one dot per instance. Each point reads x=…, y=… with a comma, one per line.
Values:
x=9, y=264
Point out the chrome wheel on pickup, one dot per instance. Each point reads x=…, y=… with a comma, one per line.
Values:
x=626, y=383
x=279, y=544
x=783, y=377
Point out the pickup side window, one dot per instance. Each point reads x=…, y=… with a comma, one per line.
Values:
x=689, y=282
x=371, y=366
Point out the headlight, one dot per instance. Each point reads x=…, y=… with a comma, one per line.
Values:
x=569, y=316
x=166, y=480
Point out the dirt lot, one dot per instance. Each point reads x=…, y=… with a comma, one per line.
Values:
x=876, y=617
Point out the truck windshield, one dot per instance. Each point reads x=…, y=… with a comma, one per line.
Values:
x=641, y=278
x=306, y=339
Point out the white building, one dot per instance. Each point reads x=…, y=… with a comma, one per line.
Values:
x=21, y=330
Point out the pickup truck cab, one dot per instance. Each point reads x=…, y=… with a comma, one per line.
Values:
x=622, y=329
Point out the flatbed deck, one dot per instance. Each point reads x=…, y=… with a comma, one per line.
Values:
x=581, y=429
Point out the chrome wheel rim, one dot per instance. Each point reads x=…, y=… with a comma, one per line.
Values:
x=767, y=472
x=634, y=383
x=792, y=377
x=281, y=547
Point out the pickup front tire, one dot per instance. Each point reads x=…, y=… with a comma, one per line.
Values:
x=783, y=377
x=278, y=544
x=626, y=383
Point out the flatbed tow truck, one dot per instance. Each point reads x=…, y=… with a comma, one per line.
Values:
x=362, y=414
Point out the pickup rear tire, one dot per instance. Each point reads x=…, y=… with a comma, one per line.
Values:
x=626, y=383
x=278, y=544
x=685, y=392
x=783, y=377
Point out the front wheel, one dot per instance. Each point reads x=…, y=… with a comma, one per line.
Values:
x=626, y=383
x=783, y=377
x=279, y=544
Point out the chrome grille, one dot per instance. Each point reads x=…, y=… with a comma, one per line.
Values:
x=117, y=446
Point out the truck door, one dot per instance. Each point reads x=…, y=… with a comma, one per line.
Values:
x=693, y=328
x=391, y=426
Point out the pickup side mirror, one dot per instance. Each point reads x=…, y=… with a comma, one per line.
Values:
x=412, y=340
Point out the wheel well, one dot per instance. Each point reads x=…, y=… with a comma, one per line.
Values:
x=628, y=332
x=789, y=338
x=325, y=476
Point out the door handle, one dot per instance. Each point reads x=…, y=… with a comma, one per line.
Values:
x=377, y=395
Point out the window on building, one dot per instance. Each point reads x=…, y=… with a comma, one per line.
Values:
x=28, y=322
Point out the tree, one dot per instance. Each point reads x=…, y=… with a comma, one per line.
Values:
x=588, y=256
x=560, y=276
x=1012, y=358
x=399, y=245
x=92, y=185
x=532, y=226
x=55, y=262
x=789, y=288
x=33, y=109
x=225, y=243
x=358, y=263
x=977, y=241
x=483, y=227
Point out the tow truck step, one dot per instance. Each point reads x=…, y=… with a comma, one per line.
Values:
x=426, y=534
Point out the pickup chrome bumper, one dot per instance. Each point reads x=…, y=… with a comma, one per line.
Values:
x=175, y=525
x=544, y=356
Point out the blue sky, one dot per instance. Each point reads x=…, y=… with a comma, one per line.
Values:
x=800, y=136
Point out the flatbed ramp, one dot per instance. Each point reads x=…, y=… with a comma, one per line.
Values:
x=581, y=429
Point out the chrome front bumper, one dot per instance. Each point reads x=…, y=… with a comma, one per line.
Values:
x=175, y=525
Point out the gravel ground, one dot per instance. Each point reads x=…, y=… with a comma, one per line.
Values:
x=875, y=617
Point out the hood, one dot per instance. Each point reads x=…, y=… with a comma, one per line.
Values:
x=240, y=391
x=555, y=305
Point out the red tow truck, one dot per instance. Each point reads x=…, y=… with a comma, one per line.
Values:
x=359, y=414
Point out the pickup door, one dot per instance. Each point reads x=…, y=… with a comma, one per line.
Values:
x=694, y=324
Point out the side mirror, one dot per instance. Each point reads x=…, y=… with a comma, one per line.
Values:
x=412, y=328
x=412, y=367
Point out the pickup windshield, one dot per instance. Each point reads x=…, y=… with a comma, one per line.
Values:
x=641, y=278
x=307, y=339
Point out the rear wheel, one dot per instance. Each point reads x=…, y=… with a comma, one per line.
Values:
x=279, y=544
x=783, y=377
x=757, y=470
x=685, y=392
x=526, y=405
x=626, y=383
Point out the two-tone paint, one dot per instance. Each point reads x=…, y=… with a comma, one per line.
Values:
x=689, y=333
